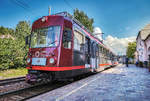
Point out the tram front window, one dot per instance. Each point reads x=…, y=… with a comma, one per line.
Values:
x=45, y=37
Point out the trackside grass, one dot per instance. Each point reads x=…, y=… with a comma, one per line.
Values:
x=11, y=73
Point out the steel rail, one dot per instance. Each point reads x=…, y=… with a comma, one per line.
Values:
x=11, y=80
x=35, y=90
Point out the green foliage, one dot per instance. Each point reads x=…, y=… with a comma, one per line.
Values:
x=84, y=19
x=8, y=56
x=22, y=30
x=13, y=51
x=6, y=31
x=131, y=49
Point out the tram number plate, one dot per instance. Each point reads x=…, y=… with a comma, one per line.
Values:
x=39, y=61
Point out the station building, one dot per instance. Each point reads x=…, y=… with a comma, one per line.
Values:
x=142, y=53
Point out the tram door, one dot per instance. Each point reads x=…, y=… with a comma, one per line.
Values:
x=97, y=56
x=87, y=52
x=67, y=47
x=94, y=55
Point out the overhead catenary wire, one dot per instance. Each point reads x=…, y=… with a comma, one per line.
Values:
x=23, y=5
x=27, y=8
x=68, y=4
x=18, y=4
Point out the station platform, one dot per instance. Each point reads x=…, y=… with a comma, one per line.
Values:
x=116, y=84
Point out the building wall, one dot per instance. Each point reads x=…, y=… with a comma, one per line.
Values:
x=147, y=42
x=143, y=44
x=141, y=49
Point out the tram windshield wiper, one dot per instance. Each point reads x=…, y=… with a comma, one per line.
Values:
x=52, y=42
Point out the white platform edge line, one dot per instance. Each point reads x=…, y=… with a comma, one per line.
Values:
x=75, y=90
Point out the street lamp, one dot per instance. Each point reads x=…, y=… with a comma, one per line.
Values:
x=99, y=36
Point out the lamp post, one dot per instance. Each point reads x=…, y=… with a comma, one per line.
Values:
x=99, y=35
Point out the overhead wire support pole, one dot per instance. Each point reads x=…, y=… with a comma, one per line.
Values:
x=49, y=10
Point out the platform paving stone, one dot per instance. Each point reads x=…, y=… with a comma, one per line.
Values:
x=116, y=84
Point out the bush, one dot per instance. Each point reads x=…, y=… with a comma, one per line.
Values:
x=12, y=51
x=11, y=54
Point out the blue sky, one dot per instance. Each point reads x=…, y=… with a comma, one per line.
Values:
x=118, y=18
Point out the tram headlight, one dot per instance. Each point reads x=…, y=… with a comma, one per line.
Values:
x=44, y=19
x=51, y=60
x=28, y=60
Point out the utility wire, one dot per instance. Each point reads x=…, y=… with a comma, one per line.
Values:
x=68, y=4
x=23, y=5
x=18, y=4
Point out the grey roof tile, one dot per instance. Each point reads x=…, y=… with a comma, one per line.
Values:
x=145, y=32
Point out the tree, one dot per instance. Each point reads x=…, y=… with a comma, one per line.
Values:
x=22, y=29
x=12, y=50
x=131, y=49
x=84, y=19
x=6, y=31
x=8, y=53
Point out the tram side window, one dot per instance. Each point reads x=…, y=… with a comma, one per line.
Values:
x=67, y=37
x=79, y=41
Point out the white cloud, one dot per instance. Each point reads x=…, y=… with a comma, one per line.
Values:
x=118, y=45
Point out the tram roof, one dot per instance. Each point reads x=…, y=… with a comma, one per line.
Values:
x=66, y=14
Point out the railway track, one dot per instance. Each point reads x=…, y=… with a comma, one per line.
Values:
x=34, y=90
x=11, y=80
x=26, y=93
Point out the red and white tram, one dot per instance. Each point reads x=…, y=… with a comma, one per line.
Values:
x=61, y=47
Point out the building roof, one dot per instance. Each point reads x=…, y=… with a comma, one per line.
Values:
x=145, y=32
